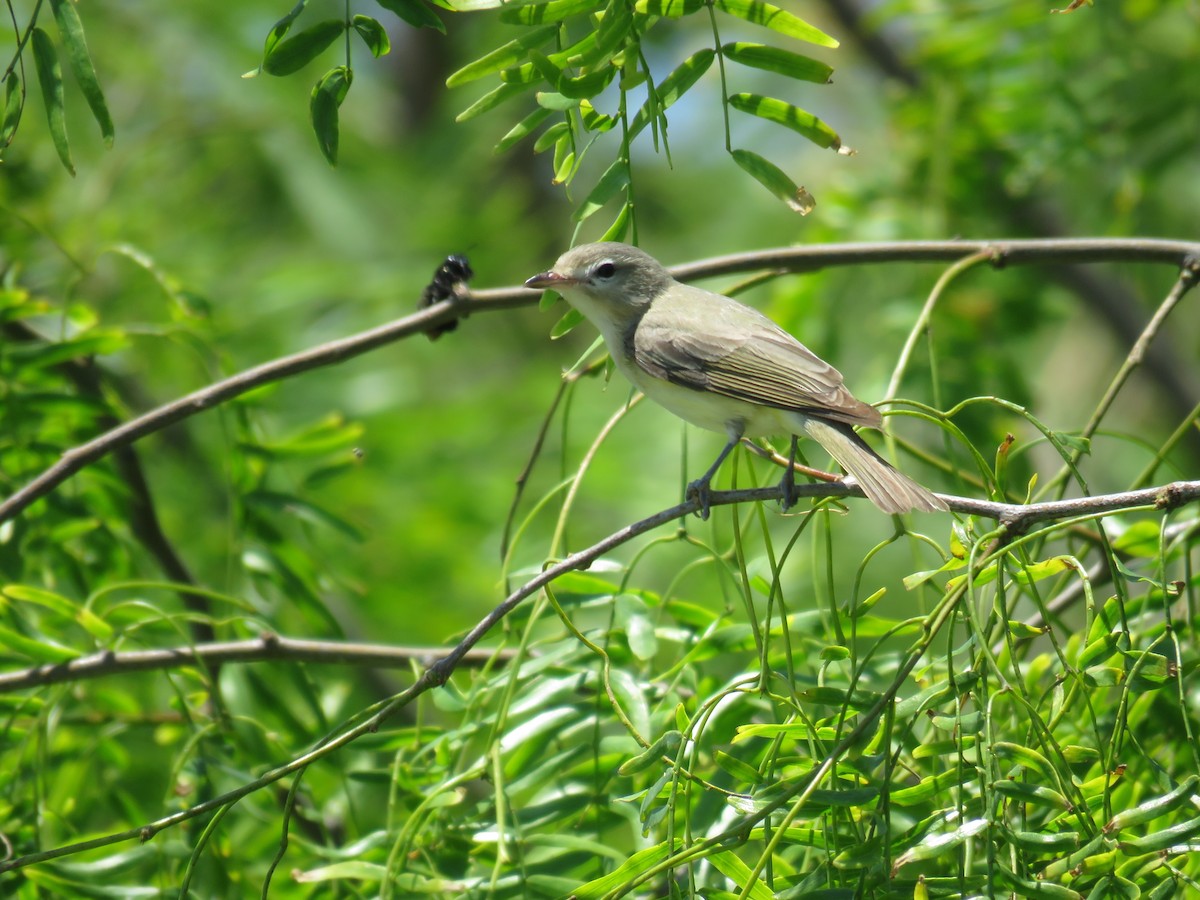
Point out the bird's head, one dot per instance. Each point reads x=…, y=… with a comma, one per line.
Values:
x=609, y=277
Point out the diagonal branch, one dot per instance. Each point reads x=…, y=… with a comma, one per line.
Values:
x=1181, y=254
x=265, y=648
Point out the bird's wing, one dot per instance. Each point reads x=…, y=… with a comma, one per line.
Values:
x=716, y=344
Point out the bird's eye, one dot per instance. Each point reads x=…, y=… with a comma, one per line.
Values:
x=605, y=270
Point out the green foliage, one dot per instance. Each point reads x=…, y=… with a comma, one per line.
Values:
x=820, y=704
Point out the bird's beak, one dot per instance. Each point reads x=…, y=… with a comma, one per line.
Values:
x=549, y=281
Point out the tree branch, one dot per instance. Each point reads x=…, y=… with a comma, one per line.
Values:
x=1181, y=254
x=267, y=647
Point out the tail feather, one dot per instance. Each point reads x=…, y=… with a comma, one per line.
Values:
x=890, y=490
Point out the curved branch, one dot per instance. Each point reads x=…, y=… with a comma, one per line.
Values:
x=267, y=647
x=1182, y=254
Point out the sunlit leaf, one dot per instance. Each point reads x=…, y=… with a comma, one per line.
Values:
x=776, y=19
x=502, y=57
x=786, y=114
x=776, y=59
x=554, y=11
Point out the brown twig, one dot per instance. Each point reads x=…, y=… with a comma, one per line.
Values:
x=794, y=259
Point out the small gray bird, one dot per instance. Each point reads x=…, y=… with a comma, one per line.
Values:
x=723, y=366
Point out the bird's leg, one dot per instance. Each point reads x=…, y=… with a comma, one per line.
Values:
x=699, y=489
x=788, y=483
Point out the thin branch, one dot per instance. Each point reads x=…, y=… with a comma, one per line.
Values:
x=267, y=647
x=1181, y=254
x=1167, y=496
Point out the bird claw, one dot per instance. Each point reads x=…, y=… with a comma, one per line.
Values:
x=700, y=491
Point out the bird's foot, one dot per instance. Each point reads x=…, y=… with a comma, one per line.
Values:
x=700, y=491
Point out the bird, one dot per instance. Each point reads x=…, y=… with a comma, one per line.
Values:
x=725, y=367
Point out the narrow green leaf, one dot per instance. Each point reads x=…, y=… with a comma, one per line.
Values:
x=619, y=229
x=938, y=843
x=502, y=57
x=563, y=326
x=373, y=35
x=776, y=19
x=669, y=9
x=775, y=180
x=638, y=864
x=491, y=100
x=729, y=865
x=41, y=651
x=595, y=121
x=1024, y=757
x=14, y=102
x=526, y=127
x=611, y=183
x=555, y=101
x=550, y=136
x=327, y=97
x=415, y=13
x=282, y=27
x=298, y=51
x=674, y=86
x=776, y=59
x=45, y=56
x=793, y=117
x=70, y=29
x=539, y=13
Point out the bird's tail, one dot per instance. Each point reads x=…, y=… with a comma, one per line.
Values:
x=890, y=490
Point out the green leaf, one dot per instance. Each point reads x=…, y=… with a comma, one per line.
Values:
x=373, y=35
x=502, y=57
x=669, y=9
x=775, y=59
x=41, y=650
x=282, y=27
x=415, y=13
x=550, y=136
x=638, y=864
x=70, y=29
x=674, y=86
x=563, y=326
x=554, y=101
x=45, y=57
x=526, y=127
x=729, y=865
x=776, y=19
x=1139, y=539
x=491, y=100
x=786, y=114
x=554, y=11
x=298, y=51
x=611, y=183
x=327, y=97
x=775, y=180
x=14, y=102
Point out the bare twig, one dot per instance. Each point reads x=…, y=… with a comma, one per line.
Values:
x=268, y=647
x=1011, y=515
x=794, y=259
